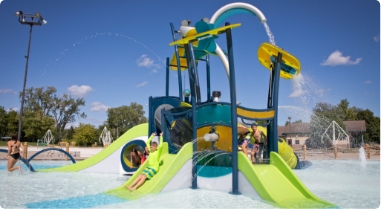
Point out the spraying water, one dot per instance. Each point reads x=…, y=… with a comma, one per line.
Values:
x=362, y=157
x=271, y=36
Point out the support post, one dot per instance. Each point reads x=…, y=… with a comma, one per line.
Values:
x=233, y=103
x=193, y=87
x=305, y=151
x=208, y=96
x=367, y=151
x=23, y=89
x=167, y=77
x=335, y=151
x=25, y=151
x=273, y=146
x=178, y=64
x=67, y=150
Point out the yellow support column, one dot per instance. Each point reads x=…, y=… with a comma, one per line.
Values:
x=335, y=151
x=67, y=150
x=25, y=151
x=367, y=151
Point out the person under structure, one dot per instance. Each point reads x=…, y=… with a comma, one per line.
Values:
x=153, y=163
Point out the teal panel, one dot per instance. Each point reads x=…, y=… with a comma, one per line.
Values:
x=213, y=171
x=214, y=113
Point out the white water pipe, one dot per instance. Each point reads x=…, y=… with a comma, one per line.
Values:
x=218, y=13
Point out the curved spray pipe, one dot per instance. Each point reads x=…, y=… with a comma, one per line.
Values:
x=227, y=11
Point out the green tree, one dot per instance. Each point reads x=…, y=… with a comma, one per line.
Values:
x=36, y=124
x=344, y=112
x=70, y=133
x=125, y=117
x=65, y=110
x=372, y=125
x=85, y=135
x=39, y=99
x=322, y=117
x=13, y=122
x=3, y=122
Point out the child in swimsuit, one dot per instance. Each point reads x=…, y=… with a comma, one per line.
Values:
x=14, y=153
x=135, y=158
x=153, y=163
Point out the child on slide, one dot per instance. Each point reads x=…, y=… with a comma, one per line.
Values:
x=153, y=163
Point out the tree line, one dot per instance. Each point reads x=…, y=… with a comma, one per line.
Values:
x=44, y=109
x=325, y=113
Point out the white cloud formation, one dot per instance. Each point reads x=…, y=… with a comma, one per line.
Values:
x=7, y=91
x=298, y=84
x=154, y=71
x=376, y=38
x=79, y=91
x=13, y=109
x=75, y=125
x=97, y=106
x=298, y=93
x=142, y=84
x=368, y=82
x=337, y=58
x=145, y=61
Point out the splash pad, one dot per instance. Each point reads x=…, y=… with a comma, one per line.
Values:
x=197, y=163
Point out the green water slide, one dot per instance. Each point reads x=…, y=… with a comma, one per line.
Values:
x=278, y=184
x=170, y=164
x=137, y=131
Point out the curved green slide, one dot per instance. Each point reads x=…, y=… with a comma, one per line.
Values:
x=278, y=184
x=170, y=164
x=136, y=131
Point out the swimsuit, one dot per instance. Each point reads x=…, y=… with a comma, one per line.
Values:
x=149, y=172
x=15, y=156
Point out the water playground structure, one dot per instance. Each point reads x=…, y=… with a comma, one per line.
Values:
x=200, y=137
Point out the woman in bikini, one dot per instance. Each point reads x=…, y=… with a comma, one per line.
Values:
x=14, y=153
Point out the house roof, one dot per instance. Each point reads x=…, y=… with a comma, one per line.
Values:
x=294, y=128
x=355, y=126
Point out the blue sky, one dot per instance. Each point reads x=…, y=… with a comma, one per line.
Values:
x=112, y=53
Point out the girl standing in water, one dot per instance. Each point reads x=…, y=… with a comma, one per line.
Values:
x=14, y=153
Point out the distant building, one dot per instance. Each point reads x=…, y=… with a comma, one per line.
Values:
x=296, y=134
x=355, y=128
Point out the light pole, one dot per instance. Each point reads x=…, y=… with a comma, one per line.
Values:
x=27, y=19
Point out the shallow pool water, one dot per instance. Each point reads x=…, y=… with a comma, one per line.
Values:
x=348, y=184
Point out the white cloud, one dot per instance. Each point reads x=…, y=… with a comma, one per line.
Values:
x=298, y=82
x=145, y=61
x=13, y=109
x=337, y=58
x=79, y=91
x=142, y=84
x=75, y=125
x=368, y=82
x=97, y=106
x=298, y=93
x=154, y=71
x=7, y=91
x=376, y=38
